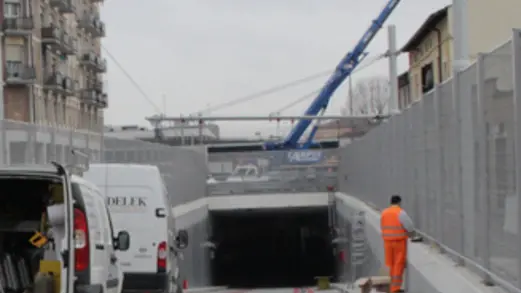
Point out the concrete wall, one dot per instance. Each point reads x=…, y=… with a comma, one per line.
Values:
x=195, y=263
x=429, y=271
x=184, y=169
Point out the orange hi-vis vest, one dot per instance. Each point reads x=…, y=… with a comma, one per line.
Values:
x=390, y=224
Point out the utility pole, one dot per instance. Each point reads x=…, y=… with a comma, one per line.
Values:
x=460, y=35
x=393, y=71
x=2, y=102
x=465, y=134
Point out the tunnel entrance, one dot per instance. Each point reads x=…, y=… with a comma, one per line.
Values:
x=271, y=248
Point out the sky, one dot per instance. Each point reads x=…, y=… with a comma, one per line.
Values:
x=188, y=55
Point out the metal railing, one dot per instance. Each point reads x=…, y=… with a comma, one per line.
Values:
x=23, y=143
x=272, y=172
x=452, y=157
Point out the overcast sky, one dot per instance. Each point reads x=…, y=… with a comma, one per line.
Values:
x=187, y=55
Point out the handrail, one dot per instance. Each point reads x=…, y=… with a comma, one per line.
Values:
x=495, y=278
x=466, y=261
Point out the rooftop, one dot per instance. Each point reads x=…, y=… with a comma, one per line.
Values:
x=428, y=25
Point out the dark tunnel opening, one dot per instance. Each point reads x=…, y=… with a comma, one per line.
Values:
x=271, y=248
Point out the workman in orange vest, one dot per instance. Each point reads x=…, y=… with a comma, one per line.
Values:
x=396, y=227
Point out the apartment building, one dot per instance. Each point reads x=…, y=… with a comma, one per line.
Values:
x=53, y=68
x=430, y=50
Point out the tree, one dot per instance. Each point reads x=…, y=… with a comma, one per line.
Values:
x=371, y=95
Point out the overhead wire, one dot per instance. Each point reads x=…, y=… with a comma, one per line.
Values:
x=263, y=93
x=132, y=80
x=313, y=93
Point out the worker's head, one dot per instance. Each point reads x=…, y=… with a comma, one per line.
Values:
x=396, y=199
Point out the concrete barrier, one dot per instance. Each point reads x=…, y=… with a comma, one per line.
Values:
x=428, y=270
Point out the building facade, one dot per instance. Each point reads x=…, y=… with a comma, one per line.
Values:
x=430, y=48
x=430, y=53
x=53, y=68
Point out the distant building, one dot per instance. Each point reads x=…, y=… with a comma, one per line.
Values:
x=344, y=130
x=174, y=135
x=429, y=49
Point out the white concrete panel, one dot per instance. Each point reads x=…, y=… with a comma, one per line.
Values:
x=191, y=213
x=267, y=201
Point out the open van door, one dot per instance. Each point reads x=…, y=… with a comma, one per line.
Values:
x=66, y=232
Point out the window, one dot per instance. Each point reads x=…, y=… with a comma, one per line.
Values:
x=427, y=79
x=12, y=10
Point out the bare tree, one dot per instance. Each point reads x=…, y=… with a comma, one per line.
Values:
x=371, y=95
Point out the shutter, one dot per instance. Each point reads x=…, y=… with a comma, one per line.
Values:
x=14, y=53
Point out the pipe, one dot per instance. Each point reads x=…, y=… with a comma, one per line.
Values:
x=260, y=118
x=460, y=35
x=440, y=55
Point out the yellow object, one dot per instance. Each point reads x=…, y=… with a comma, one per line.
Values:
x=56, y=192
x=53, y=268
x=323, y=283
x=38, y=239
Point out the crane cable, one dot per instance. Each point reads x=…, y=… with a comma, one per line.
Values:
x=266, y=92
x=313, y=93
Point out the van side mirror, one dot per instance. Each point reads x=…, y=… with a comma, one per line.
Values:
x=181, y=240
x=122, y=242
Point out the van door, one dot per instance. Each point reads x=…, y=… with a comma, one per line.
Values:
x=134, y=209
x=96, y=241
x=67, y=247
x=113, y=273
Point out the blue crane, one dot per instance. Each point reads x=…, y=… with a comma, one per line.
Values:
x=342, y=71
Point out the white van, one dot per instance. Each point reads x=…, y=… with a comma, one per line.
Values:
x=138, y=203
x=96, y=267
x=55, y=233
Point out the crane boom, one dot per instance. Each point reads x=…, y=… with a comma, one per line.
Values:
x=342, y=71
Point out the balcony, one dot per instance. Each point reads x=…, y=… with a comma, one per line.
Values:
x=54, y=81
x=93, y=62
x=19, y=74
x=89, y=60
x=69, y=86
x=100, y=32
x=20, y=26
x=92, y=24
x=58, y=40
x=69, y=44
x=95, y=85
x=102, y=100
x=101, y=65
x=89, y=96
x=63, y=6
